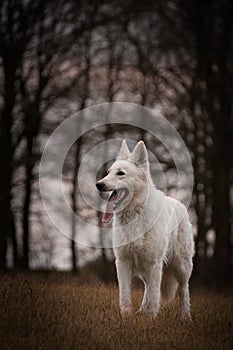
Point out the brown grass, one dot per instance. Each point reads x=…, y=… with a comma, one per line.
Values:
x=38, y=314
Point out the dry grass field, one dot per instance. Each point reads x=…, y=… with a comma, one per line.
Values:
x=42, y=314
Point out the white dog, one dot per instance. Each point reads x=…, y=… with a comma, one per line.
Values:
x=152, y=234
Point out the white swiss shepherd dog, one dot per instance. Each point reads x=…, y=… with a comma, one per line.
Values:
x=152, y=234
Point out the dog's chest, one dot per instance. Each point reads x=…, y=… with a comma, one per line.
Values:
x=139, y=253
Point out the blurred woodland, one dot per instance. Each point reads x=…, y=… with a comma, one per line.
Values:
x=58, y=57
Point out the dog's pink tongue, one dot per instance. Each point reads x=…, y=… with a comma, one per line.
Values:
x=109, y=209
x=108, y=213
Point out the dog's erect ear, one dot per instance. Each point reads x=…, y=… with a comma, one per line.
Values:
x=140, y=155
x=124, y=152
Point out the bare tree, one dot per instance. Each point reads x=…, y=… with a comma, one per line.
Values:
x=17, y=21
x=40, y=63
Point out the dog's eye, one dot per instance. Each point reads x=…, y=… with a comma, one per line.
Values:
x=120, y=173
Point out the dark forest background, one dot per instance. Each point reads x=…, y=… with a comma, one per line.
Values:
x=57, y=57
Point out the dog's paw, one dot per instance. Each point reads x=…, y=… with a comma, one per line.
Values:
x=146, y=312
x=187, y=318
x=141, y=311
x=126, y=311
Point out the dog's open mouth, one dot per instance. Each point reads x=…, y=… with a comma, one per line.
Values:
x=114, y=200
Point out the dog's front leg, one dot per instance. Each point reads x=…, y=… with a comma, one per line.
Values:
x=124, y=275
x=152, y=289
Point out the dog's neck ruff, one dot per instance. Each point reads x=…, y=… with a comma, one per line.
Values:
x=134, y=222
x=136, y=206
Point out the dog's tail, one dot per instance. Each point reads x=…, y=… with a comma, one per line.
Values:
x=169, y=285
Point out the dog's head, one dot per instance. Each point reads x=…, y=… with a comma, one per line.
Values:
x=125, y=179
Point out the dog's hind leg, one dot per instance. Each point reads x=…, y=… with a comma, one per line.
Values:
x=145, y=298
x=169, y=284
x=182, y=271
x=182, y=264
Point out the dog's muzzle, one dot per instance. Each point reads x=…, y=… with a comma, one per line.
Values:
x=101, y=186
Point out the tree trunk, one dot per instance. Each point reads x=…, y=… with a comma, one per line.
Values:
x=221, y=213
x=27, y=199
x=26, y=214
x=6, y=155
x=14, y=242
x=74, y=254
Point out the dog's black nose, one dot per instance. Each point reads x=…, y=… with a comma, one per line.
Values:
x=100, y=186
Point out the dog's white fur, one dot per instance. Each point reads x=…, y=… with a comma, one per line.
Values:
x=152, y=236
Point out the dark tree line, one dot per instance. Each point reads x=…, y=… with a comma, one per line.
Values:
x=209, y=43
x=63, y=56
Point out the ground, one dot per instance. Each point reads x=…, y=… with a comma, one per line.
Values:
x=37, y=313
